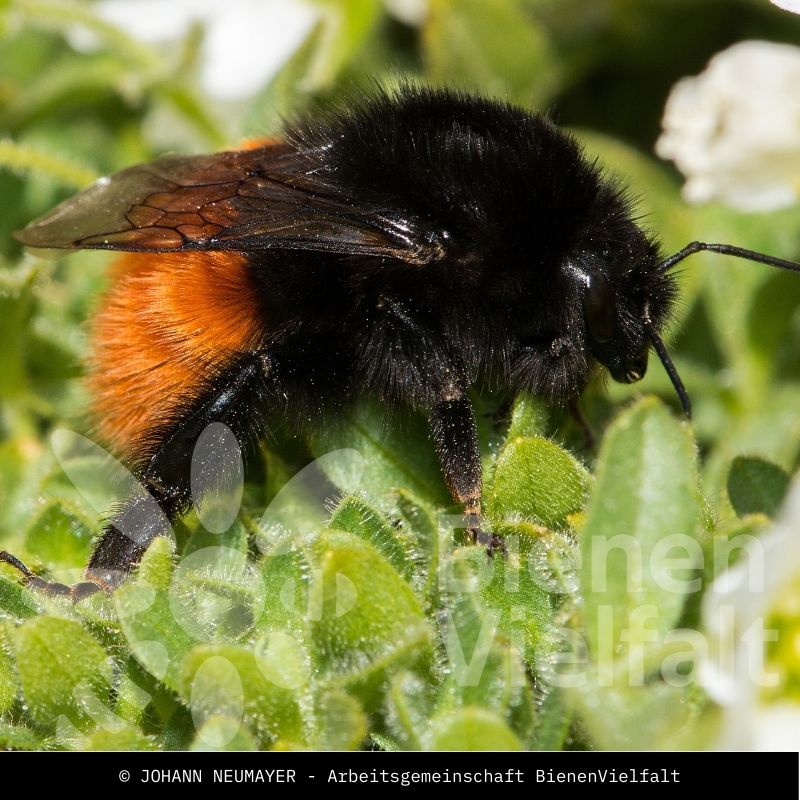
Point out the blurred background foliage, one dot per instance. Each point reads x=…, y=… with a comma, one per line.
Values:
x=81, y=97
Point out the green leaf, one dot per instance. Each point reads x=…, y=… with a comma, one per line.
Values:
x=392, y=456
x=535, y=479
x=341, y=722
x=57, y=661
x=64, y=16
x=315, y=66
x=347, y=24
x=553, y=717
x=22, y=158
x=8, y=680
x=240, y=685
x=216, y=692
x=729, y=541
x=15, y=600
x=59, y=535
x=756, y=486
x=492, y=45
x=746, y=304
x=411, y=703
x=16, y=309
x=234, y=539
x=132, y=699
x=156, y=638
x=531, y=417
x=494, y=613
x=520, y=587
x=472, y=729
x=20, y=465
x=771, y=433
x=645, y=504
x=217, y=593
x=283, y=658
x=384, y=743
x=511, y=595
x=423, y=530
x=652, y=717
x=220, y=733
x=357, y=517
x=191, y=109
x=770, y=330
x=300, y=497
x=288, y=92
x=285, y=576
x=18, y=737
x=485, y=669
x=353, y=636
x=122, y=740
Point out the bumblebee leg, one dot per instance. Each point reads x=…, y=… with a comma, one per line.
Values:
x=52, y=588
x=455, y=437
x=451, y=420
x=235, y=399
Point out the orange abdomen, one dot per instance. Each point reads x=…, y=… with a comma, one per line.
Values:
x=168, y=323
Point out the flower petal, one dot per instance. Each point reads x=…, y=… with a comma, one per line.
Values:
x=734, y=130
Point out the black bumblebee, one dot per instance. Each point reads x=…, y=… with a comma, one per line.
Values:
x=404, y=248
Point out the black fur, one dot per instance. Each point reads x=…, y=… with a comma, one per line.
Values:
x=514, y=203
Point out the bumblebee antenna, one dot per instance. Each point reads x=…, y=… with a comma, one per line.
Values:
x=671, y=261
x=727, y=250
x=669, y=367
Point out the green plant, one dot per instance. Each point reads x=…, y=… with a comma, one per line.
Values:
x=365, y=622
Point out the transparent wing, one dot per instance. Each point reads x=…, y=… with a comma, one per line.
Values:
x=266, y=197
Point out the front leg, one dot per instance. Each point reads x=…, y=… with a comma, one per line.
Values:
x=432, y=379
x=455, y=437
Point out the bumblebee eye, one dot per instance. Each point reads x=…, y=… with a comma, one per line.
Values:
x=599, y=308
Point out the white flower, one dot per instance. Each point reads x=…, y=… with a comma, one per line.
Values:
x=246, y=41
x=739, y=614
x=788, y=5
x=411, y=12
x=734, y=130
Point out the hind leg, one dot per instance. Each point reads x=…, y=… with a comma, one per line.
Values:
x=236, y=398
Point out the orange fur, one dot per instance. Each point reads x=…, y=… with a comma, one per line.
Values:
x=259, y=141
x=167, y=322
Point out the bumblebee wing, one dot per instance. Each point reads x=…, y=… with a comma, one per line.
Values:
x=268, y=197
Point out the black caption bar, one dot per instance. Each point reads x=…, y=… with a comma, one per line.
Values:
x=549, y=774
